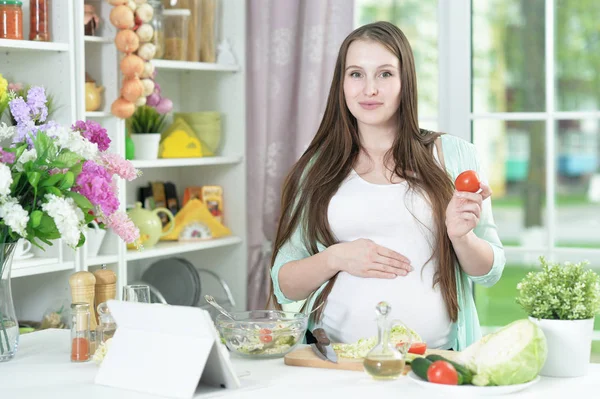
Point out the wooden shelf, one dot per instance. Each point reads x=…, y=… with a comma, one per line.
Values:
x=33, y=266
x=177, y=247
x=177, y=162
x=101, y=260
x=29, y=45
x=98, y=39
x=194, y=66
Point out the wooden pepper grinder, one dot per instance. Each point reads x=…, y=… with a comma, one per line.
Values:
x=83, y=286
x=106, y=286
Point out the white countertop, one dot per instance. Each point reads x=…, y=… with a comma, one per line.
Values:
x=42, y=369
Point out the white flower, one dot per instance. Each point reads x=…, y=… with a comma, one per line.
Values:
x=73, y=141
x=7, y=132
x=67, y=217
x=101, y=351
x=14, y=215
x=5, y=180
x=26, y=156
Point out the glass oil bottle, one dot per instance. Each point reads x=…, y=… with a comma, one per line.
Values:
x=384, y=361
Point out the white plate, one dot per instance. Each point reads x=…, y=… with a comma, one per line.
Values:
x=472, y=389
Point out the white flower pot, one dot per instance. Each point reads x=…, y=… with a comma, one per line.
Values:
x=93, y=239
x=146, y=145
x=569, y=346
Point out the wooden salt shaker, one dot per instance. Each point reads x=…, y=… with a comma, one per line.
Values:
x=106, y=286
x=82, y=290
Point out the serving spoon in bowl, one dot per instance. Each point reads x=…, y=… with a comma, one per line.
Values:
x=213, y=302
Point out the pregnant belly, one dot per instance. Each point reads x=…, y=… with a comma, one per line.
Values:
x=350, y=310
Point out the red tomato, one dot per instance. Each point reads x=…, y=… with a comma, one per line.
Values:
x=265, y=335
x=441, y=372
x=418, y=348
x=467, y=181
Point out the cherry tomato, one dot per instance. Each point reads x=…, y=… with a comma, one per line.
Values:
x=467, y=181
x=441, y=372
x=265, y=335
x=418, y=348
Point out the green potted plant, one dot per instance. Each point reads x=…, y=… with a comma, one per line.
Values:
x=145, y=127
x=563, y=300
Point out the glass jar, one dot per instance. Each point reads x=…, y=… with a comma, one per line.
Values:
x=176, y=33
x=158, y=37
x=80, y=332
x=11, y=19
x=106, y=326
x=39, y=19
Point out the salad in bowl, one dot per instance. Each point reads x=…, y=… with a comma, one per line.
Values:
x=262, y=333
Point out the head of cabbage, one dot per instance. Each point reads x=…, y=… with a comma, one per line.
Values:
x=515, y=354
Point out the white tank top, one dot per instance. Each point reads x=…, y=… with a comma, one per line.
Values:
x=384, y=214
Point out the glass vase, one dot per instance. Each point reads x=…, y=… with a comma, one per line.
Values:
x=9, y=326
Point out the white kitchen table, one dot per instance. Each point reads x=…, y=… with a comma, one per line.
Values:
x=42, y=369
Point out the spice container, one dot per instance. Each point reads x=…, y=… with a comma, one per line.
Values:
x=39, y=19
x=176, y=33
x=11, y=19
x=80, y=332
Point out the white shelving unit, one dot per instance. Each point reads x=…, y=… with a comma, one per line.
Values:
x=194, y=66
x=42, y=281
x=187, y=162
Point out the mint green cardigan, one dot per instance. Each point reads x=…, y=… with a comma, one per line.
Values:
x=459, y=155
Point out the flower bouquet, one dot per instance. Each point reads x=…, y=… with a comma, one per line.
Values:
x=53, y=182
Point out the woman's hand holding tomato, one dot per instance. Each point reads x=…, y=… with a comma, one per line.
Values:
x=464, y=209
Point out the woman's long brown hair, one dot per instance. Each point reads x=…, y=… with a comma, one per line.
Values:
x=317, y=175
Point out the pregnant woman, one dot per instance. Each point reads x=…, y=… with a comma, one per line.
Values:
x=370, y=212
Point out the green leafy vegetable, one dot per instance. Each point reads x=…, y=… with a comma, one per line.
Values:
x=362, y=347
x=515, y=354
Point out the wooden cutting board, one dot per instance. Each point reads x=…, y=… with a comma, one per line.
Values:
x=305, y=357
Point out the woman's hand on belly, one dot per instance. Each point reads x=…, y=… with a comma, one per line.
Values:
x=365, y=258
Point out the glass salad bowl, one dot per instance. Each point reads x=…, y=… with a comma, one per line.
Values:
x=262, y=334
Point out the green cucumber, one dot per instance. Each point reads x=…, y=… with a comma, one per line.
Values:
x=420, y=366
x=467, y=375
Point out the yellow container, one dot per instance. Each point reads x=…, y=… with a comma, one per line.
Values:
x=206, y=125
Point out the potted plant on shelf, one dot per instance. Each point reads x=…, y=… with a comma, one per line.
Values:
x=145, y=127
x=54, y=180
x=563, y=300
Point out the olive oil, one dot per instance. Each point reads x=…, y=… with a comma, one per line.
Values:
x=384, y=361
x=383, y=368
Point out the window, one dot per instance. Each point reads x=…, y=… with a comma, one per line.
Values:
x=529, y=68
x=418, y=21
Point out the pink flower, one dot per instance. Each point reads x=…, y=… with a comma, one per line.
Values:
x=6, y=157
x=15, y=86
x=93, y=132
x=95, y=183
x=55, y=171
x=120, y=223
x=116, y=165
